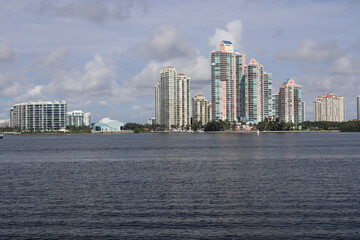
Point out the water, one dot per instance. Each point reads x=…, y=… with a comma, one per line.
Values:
x=180, y=186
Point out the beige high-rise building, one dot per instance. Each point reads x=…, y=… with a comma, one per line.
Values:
x=303, y=111
x=329, y=107
x=290, y=109
x=202, y=110
x=258, y=98
x=172, y=99
x=157, y=103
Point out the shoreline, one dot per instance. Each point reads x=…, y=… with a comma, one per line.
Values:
x=168, y=132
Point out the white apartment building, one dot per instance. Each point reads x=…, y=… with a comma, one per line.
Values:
x=202, y=110
x=4, y=123
x=329, y=107
x=172, y=99
x=78, y=118
x=40, y=115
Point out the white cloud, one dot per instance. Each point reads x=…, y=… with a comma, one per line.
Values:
x=169, y=46
x=136, y=107
x=166, y=42
x=10, y=85
x=98, y=79
x=310, y=50
x=233, y=32
x=91, y=10
x=346, y=64
x=7, y=52
x=55, y=57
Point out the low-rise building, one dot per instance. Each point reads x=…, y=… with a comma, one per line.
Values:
x=108, y=125
x=4, y=123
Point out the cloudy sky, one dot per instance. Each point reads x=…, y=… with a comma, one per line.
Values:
x=105, y=56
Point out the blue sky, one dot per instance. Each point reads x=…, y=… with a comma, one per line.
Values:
x=105, y=56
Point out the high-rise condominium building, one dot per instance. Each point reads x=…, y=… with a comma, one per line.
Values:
x=290, y=102
x=41, y=115
x=258, y=98
x=78, y=118
x=275, y=106
x=329, y=107
x=303, y=111
x=202, y=110
x=172, y=99
x=358, y=107
x=157, y=103
x=227, y=71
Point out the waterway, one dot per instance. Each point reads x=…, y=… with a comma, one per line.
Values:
x=180, y=186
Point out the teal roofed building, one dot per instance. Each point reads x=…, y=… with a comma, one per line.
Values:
x=108, y=125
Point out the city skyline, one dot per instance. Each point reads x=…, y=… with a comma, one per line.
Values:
x=105, y=57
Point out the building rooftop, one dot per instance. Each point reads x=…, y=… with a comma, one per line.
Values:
x=253, y=61
x=40, y=102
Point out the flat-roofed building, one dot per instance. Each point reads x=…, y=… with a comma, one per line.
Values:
x=202, y=110
x=290, y=103
x=330, y=108
x=39, y=115
x=78, y=118
x=172, y=99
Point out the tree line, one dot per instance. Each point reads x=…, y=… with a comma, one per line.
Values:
x=221, y=125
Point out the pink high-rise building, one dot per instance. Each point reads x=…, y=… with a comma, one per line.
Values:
x=227, y=70
x=290, y=102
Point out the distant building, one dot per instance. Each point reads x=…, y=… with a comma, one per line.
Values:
x=275, y=106
x=358, y=107
x=202, y=110
x=290, y=102
x=172, y=99
x=329, y=107
x=157, y=103
x=78, y=118
x=151, y=121
x=4, y=123
x=227, y=83
x=108, y=125
x=40, y=115
x=258, y=97
x=303, y=108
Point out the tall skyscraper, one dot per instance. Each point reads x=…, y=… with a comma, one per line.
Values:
x=202, y=110
x=172, y=99
x=303, y=108
x=329, y=107
x=41, y=115
x=358, y=107
x=275, y=106
x=227, y=70
x=258, y=99
x=240, y=85
x=290, y=102
x=157, y=103
x=183, y=117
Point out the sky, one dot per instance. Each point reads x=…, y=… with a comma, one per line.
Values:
x=105, y=57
